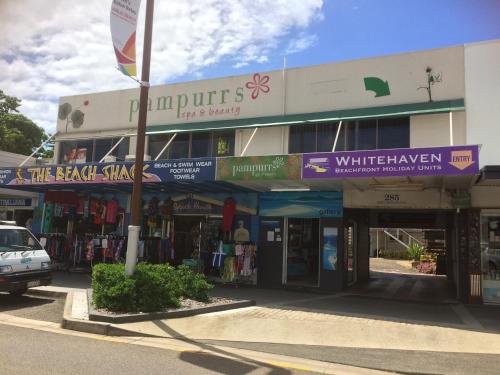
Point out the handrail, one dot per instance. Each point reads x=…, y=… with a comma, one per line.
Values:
x=412, y=237
x=396, y=238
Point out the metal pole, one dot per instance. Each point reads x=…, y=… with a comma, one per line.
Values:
x=111, y=149
x=451, y=128
x=166, y=146
x=249, y=141
x=139, y=151
x=337, y=137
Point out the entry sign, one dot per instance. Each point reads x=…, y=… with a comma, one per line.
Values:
x=434, y=161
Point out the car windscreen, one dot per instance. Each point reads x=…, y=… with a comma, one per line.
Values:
x=17, y=240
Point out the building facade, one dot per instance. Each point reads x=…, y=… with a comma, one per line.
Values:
x=285, y=172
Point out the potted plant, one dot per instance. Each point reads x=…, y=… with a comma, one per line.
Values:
x=414, y=253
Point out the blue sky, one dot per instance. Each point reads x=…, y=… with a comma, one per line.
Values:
x=354, y=29
x=51, y=51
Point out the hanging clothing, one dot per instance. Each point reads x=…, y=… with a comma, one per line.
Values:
x=112, y=211
x=228, y=212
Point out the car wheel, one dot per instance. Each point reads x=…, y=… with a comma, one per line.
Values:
x=18, y=292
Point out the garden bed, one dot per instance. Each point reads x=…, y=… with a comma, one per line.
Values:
x=188, y=307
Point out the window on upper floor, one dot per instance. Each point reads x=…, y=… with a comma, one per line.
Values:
x=92, y=150
x=354, y=135
x=193, y=145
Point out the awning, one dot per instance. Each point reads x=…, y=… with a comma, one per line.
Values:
x=444, y=106
x=489, y=175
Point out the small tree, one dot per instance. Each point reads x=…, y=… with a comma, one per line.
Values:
x=17, y=132
x=432, y=79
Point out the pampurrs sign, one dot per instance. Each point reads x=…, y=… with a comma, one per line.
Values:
x=399, y=162
x=277, y=167
x=154, y=171
x=206, y=100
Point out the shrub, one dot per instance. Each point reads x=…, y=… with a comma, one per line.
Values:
x=154, y=290
x=193, y=285
x=426, y=267
x=151, y=288
x=415, y=251
x=112, y=289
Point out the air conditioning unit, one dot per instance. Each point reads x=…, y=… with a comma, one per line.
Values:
x=110, y=159
x=132, y=157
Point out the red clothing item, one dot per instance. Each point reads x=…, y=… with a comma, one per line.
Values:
x=80, y=205
x=112, y=211
x=228, y=212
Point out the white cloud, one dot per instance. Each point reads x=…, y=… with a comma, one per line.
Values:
x=56, y=48
x=301, y=43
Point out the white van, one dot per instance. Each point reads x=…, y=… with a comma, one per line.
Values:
x=23, y=261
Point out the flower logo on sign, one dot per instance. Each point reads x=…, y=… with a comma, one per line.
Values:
x=259, y=83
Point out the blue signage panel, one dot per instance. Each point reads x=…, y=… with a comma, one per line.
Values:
x=202, y=169
x=301, y=204
x=18, y=202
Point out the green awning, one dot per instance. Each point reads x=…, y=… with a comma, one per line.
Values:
x=342, y=114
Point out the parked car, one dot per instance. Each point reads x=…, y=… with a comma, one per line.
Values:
x=24, y=263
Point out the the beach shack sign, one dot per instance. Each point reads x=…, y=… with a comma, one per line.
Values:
x=111, y=173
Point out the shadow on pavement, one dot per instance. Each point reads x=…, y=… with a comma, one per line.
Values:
x=10, y=303
x=236, y=364
x=218, y=364
x=71, y=279
x=400, y=361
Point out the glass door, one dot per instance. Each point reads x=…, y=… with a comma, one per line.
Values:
x=302, y=252
x=350, y=246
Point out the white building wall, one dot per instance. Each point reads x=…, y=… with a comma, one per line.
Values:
x=485, y=196
x=434, y=130
x=267, y=141
x=482, y=99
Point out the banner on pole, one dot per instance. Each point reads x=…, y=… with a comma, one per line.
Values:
x=123, y=22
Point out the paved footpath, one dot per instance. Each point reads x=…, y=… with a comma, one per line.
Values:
x=339, y=329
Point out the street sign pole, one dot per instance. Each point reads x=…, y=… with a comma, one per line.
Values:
x=134, y=227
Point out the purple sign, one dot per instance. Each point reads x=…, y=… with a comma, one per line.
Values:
x=432, y=161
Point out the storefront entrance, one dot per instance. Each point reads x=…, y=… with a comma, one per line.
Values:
x=408, y=255
x=302, y=252
x=187, y=236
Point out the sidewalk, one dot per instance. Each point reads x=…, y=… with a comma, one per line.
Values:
x=334, y=328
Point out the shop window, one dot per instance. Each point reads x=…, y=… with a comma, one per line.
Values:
x=223, y=143
x=179, y=148
x=92, y=150
x=193, y=145
x=354, y=135
x=490, y=255
x=394, y=133
x=200, y=144
x=74, y=152
x=366, y=135
x=122, y=149
x=102, y=146
x=156, y=144
x=326, y=137
x=302, y=138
